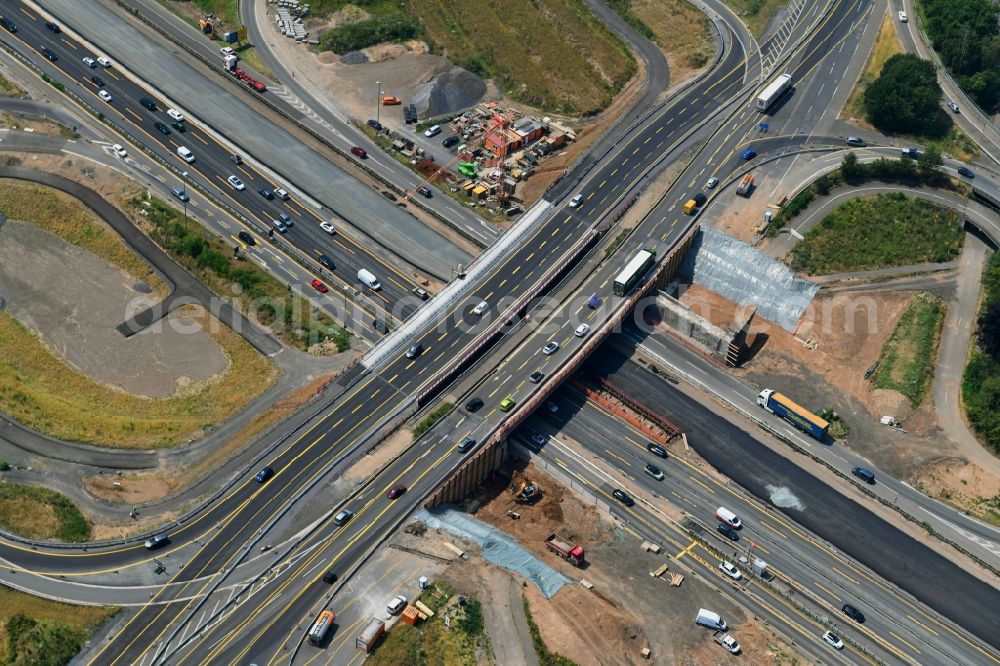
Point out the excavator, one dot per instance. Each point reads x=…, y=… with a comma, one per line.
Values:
x=524, y=491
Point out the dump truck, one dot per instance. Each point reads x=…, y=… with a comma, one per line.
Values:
x=565, y=549
x=799, y=417
x=368, y=638
x=745, y=186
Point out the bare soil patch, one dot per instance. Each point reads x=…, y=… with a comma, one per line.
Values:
x=962, y=484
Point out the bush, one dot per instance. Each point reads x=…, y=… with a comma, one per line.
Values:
x=432, y=419
x=48, y=643
x=353, y=36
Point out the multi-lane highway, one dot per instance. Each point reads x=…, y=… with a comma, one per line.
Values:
x=214, y=163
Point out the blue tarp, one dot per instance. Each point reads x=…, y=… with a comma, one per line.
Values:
x=499, y=548
x=745, y=275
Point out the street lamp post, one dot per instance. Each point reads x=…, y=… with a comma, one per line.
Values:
x=378, y=108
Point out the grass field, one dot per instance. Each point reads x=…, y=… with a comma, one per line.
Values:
x=551, y=54
x=680, y=30
x=432, y=642
x=878, y=232
x=40, y=513
x=8, y=87
x=67, y=218
x=906, y=363
x=886, y=45
x=53, y=633
x=42, y=392
x=756, y=13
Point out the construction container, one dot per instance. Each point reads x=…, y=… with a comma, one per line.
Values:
x=409, y=615
x=370, y=635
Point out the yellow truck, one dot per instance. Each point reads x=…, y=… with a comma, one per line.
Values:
x=690, y=206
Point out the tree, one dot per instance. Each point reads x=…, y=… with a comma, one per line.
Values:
x=988, y=331
x=905, y=98
x=852, y=171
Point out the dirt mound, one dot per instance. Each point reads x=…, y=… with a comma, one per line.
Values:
x=448, y=91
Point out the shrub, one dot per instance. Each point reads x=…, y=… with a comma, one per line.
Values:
x=353, y=36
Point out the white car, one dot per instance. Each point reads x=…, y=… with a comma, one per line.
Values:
x=480, y=309
x=551, y=348
x=396, y=606
x=712, y=182
x=89, y=62
x=119, y=150
x=327, y=227
x=902, y=16
x=581, y=330
x=730, y=570
x=104, y=62
x=953, y=106
x=236, y=182
x=104, y=94
x=176, y=115
x=281, y=193
x=227, y=50
x=576, y=201
x=833, y=640
x=730, y=644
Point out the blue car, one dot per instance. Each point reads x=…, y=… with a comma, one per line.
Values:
x=749, y=154
x=264, y=474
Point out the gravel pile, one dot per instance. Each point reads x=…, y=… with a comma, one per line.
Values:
x=449, y=91
x=354, y=58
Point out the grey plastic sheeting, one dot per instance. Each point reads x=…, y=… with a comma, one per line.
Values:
x=498, y=547
x=743, y=274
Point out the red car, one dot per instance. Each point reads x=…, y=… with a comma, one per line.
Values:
x=396, y=491
x=319, y=286
x=360, y=152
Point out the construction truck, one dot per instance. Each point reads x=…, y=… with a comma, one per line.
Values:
x=565, y=549
x=524, y=491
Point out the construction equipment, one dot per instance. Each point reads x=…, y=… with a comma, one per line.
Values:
x=206, y=25
x=524, y=491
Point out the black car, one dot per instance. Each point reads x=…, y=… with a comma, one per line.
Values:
x=656, y=450
x=148, y=103
x=374, y=124
x=53, y=27
x=50, y=54
x=474, y=405
x=623, y=497
x=247, y=238
x=236, y=159
x=426, y=191
x=853, y=613
x=450, y=141
x=157, y=541
x=266, y=193
x=728, y=532
x=466, y=444
x=965, y=171
x=325, y=261
x=536, y=376
x=179, y=126
x=264, y=474
x=415, y=351
x=161, y=128
x=97, y=81
x=8, y=25
x=329, y=577
x=380, y=326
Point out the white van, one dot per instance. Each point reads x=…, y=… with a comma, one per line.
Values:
x=185, y=154
x=728, y=517
x=707, y=618
x=369, y=280
x=433, y=130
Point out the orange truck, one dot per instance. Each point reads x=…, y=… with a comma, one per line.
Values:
x=321, y=627
x=368, y=639
x=389, y=100
x=745, y=186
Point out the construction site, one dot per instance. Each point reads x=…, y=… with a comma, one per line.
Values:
x=495, y=151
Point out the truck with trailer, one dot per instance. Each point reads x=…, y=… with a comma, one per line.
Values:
x=565, y=549
x=745, y=186
x=801, y=418
x=772, y=92
x=368, y=638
